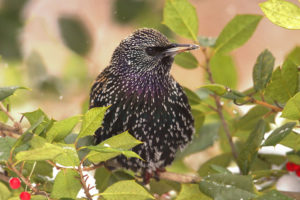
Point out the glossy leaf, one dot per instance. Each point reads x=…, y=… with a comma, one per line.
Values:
x=284, y=82
x=191, y=192
x=122, y=141
x=221, y=160
x=216, y=88
x=61, y=129
x=68, y=157
x=249, y=151
x=223, y=70
x=66, y=184
x=282, y=13
x=186, y=60
x=263, y=69
x=8, y=91
x=181, y=17
x=126, y=190
x=278, y=134
x=228, y=187
x=292, y=108
x=92, y=120
x=237, y=32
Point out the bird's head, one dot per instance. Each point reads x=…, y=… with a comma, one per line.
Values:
x=147, y=50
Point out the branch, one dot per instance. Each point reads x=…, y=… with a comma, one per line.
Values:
x=180, y=178
x=6, y=130
x=265, y=104
x=17, y=125
x=219, y=105
x=4, y=177
x=83, y=180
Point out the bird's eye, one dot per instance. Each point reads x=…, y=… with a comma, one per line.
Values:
x=151, y=51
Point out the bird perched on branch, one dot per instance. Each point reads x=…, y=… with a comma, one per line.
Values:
x=145, y=100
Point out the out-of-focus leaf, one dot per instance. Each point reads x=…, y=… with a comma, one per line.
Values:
x=66, y=184
x=223, y=70
x=6, y=143
x=181, y=17
x=294, y=157
x=122, y=141
x=207, y=41
x=263, y=69
x=186, y=60
x=221, y=160
x=193, y=97
x=248, y=153
x=294, y=56
x=292, y=108
x=284, y=82
x=249, y=120
x=75, y=35
x=273, y=158
x=292, y=141
x=216, y=88
x=8, y=91
x=199, y=119
x=282, y=13
x=4, y=191
x=92, y=120
x=273, y=195
x=220, y=169
x=61, y=129
x=191, y=192
x=3, y=115
x=205, y=138
x=267, y=173
x=126, y=190
x=228, y=187
x=126, y=11
x=278, y=134
x=236, y=32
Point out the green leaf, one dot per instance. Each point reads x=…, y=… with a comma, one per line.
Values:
x=199, y=119
x=126, y=190
x=221, y=160
x=284, y=82
x=66, y=184
x=6, y=143
x=181, y=17
x=8, y=91
x=186, y=60
x=279, y=134
x=282, y=13
x=249, y=151
x=294, y=55
x=204, y=139
x=47, y=152
x=292, y=108
x=220, y=169
x=193, y=97
x=122, y=141
x=75, y=35
x=223, y=70
x=3, y=115
x=267, y=173
x=61, y=129
x=68, y=157
x=191, y=192
x=4, y=191
x=92, y=120
x=228, y=187
x=293, y=157
x=263, y=69
x=34, y=116
x=236, y=32
x=249, y=120
x=216, y=88
x=292, y=141
x=273, y=195
x=207, y=41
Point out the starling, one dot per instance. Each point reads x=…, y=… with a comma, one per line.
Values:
x=145, y=100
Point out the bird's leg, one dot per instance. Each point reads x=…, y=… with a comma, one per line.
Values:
x=157, y=172
x=146, y=177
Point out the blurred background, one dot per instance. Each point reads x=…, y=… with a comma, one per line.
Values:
x=57, y=48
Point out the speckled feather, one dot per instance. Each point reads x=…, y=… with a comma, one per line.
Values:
x=145, y=100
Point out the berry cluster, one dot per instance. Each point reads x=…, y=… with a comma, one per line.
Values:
x=293, y=167
x=15, y=183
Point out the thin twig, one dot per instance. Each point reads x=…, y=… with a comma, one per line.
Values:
x=219, y=106
x=17, y=125
x=83, y=179
x=3, y=177
x=265, y=104
x=92, y=167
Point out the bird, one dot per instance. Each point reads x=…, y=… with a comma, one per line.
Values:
x=144, y=99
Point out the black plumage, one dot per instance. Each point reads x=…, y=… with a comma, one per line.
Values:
x=145, y=100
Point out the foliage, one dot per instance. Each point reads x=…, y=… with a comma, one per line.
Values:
x=33, y=153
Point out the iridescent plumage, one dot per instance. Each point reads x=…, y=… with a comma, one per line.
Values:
x=145, y=100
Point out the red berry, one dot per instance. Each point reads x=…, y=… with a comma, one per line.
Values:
x=298, y=172
x=292, y=166
x=25, y=196
x=14, y=183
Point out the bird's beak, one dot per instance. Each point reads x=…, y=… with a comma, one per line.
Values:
x=178, y=48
